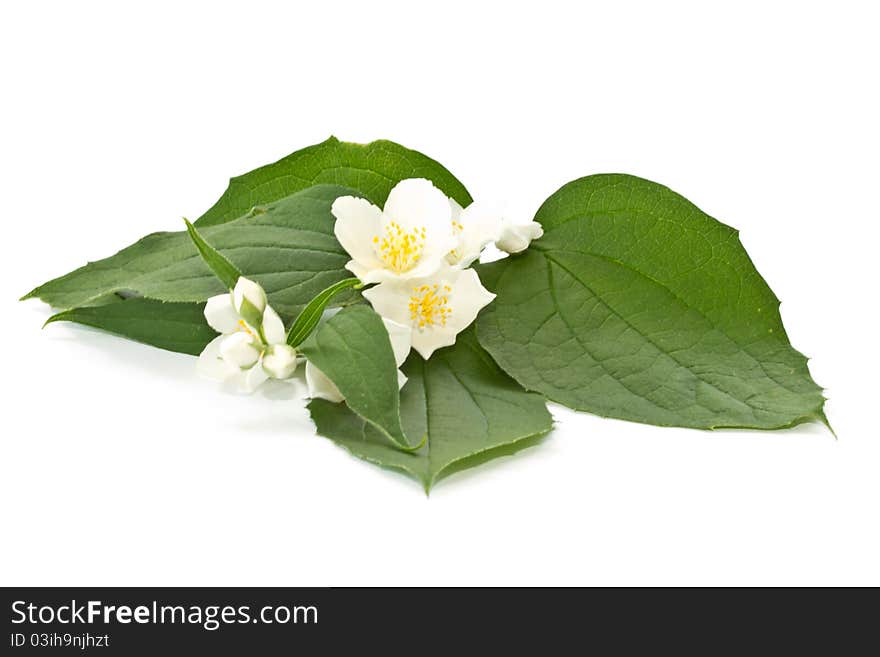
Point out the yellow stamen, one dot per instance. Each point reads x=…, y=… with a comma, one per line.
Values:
x=400, y=250
x=427, y=308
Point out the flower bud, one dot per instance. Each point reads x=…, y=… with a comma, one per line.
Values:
x=516, y=237
x=279, y=361
x=249, y=300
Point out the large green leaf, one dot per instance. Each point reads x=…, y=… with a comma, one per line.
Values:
x=372, y=169
x=353, y=350
x=160, y=267
x=173, y=326
x=287, y=246
x=637, y=305
x=470, y=410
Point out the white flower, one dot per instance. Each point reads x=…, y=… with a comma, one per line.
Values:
x=436, y=309
x=408, y=239
x=247, y=351
x=321, y=386
x=473, y=227
x=517, y=235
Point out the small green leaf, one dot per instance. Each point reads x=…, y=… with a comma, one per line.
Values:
x=308, y=318
x=174, y=326
x=288, y=247
x=637, y=305
x=219, y=264
x=372, y=169
x=471, y=411
x=354, y=351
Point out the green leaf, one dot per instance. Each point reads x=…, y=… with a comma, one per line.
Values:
x=354, y=351
x=637, y=305
x=173, y=326
x=471, y=411
x=308, y=318
x=216, y=261
x=372, y=169
x=287, y=246
x=293, y=266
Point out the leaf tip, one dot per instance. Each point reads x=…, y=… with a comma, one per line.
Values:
x=428, y=481
x=57, y=317
x=824, y=420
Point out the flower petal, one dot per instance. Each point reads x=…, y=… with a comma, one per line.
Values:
x=391, y=301
x=426, y=267
x=480, y=224
x=221, y=314
x=273, y=327
x=455, y=208
x=427, y=341
x=415, y=202
x=321, y=387
x=210, y=365
x=467, y=299
x=252, y=378
x=429, y=265
x=401, y=339
x=359, y=270
x=358, y=222
x=240, y=350
x=416, y=205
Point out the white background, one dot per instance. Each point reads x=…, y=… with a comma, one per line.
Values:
x=120, y=466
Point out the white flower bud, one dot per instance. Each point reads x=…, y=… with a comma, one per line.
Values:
x=246, y=291
x=516, y=237
x=279, y=361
